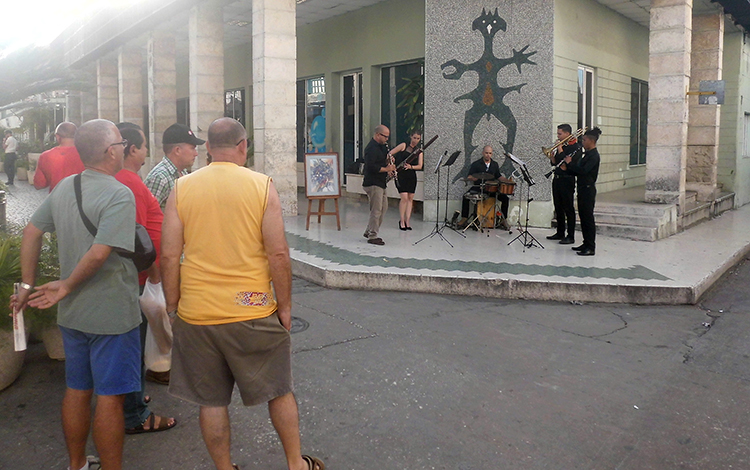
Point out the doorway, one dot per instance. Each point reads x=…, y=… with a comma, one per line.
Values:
x=351, y=121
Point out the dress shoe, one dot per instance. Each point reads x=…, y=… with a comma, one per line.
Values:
x=586, y=252
x=556, y=236
x=400, y=227
x=567, y=241
x=578, y=248
x=408, y=228
x=375, y=241
x=366, y=234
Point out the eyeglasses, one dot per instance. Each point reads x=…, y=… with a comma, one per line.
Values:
x=386, y=136
x=124, y=144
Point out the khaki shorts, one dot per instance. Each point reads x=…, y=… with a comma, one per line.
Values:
x=207, y=360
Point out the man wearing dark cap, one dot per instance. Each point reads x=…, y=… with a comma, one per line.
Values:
x=179, y=144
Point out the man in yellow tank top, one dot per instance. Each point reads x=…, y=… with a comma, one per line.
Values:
x=229, y=327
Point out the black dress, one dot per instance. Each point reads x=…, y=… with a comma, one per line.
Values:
x=407, y=179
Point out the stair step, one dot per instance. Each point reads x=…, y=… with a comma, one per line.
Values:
x=643, y=209
x=631, y=232
x=627, y=219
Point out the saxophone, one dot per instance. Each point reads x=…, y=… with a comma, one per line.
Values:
x=390, y=160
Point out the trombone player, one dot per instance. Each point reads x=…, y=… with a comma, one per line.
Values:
x=563, y=184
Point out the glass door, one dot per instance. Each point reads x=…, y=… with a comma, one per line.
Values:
x=351, y=121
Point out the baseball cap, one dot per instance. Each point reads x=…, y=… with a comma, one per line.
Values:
x=180, y=134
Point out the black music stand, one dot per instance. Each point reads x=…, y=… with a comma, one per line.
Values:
x=437, y=229
x=525, y=237
x=446, y=223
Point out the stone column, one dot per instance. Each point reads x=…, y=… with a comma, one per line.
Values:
x=130, y=63
x=669, y=76
x=274, y=101
x=162, y=90
x=206, y=36
x=106, y=89
x=88, y=106
x=703, y=128
x=73, y=107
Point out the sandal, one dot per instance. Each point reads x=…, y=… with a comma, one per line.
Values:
x=163, y=425
x=314, y=463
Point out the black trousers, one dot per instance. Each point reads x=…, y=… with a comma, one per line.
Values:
x=586, y=202
x=9, y=166
x=563, y=189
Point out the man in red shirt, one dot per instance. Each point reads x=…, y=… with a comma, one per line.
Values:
x=138, y=417
x=59, y=162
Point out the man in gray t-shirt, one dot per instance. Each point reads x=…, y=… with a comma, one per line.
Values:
x=97, y=293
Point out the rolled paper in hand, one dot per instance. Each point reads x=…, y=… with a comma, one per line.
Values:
x=19, y=330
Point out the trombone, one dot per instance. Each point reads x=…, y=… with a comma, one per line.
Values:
x=548, y=150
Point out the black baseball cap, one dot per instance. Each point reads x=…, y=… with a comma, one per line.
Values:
x=180, y=134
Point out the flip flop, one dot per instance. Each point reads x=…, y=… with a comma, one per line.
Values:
x=314, y=463
x=163, y=425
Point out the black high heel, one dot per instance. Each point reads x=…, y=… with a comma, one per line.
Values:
x=400, y=227
x=408, y=228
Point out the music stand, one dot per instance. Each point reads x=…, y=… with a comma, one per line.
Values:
x=437, y=229
x=526, y=238
x=451, y=161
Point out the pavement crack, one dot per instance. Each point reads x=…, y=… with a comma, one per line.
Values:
x=624, y=325
x=337, y=343
x=340, y=318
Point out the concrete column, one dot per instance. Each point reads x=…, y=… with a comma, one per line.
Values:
x=703, y=128
x=162, y=90
x=106, y=89
x=669, y=76
x=73, y=107
x=274, y=101
x=88, y=106
x=206, y=45
x=130, y=85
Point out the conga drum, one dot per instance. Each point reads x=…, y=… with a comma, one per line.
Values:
x=507, y=187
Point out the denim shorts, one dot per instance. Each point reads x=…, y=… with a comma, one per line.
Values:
x=109, y=364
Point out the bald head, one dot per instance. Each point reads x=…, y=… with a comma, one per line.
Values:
x=227, y=141
x=93, y=139
x=66, y=130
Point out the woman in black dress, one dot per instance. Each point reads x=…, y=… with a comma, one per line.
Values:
x=406, y=183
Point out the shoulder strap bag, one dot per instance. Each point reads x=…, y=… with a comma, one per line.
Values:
x=144, y=254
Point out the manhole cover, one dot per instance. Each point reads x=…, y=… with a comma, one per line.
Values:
x=298, y=324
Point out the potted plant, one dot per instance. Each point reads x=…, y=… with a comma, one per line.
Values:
x=11, y=361
x=22, y=169
x=43, y=322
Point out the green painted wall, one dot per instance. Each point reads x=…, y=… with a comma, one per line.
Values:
x=364, y=40
x=616, y=47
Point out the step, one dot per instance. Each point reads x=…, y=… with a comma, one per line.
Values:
x=627, y=219
x=630, y=232
x=696, y=215
x=645, y=209
x=723, y=203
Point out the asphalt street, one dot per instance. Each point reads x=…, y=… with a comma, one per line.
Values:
x=418, y=381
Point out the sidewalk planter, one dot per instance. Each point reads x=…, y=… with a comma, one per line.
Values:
x=53, y=343
x=22, y=174
x=11, y=361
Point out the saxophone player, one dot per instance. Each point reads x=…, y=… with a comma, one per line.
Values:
x=563, y=186
x=378, y=164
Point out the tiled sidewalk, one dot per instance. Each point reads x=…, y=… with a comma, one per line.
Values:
x=672, y=271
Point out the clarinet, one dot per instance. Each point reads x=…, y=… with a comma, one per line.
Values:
x=390, y=160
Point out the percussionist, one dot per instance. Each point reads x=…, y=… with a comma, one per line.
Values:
x=483, y=169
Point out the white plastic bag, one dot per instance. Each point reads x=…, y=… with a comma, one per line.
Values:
x=158, y=352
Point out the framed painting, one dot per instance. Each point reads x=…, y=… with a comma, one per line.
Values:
x=322, y=175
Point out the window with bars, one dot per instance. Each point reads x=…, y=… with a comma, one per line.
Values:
x=585, y=96
x=638, y=121
x=234, y=104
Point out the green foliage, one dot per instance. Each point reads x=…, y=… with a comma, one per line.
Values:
x=10, y=272
x=22, y=162
x=413, y=101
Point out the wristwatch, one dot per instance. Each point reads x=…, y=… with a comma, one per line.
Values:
x=172, y=314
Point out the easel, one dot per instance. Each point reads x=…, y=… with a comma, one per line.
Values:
x=322, y=183
x=321, y=210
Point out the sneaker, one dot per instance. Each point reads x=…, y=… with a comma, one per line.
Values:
x=375, y=241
